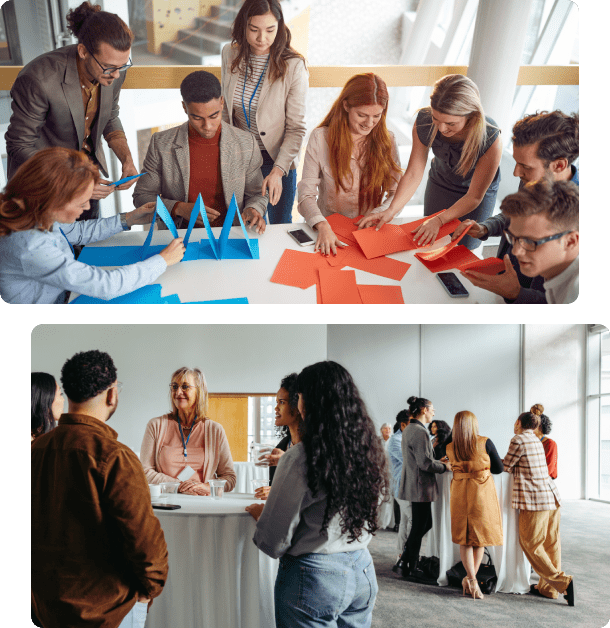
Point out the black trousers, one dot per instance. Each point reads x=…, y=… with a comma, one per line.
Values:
x=422, y=522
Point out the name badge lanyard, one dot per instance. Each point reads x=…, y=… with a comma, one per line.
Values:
x=184, y=443
x=260, y=78
x=68, y=241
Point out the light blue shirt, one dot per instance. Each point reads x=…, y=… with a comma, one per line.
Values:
x=39, y=266
x=395, y=453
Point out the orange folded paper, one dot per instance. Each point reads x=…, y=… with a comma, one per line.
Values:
x=380, y=294
x=462, y=259
x=445, y=230
x=338, y=286
x=389, y=239
x=489, y=266
x=298, y=268
x=343, y=227
x=432, y=255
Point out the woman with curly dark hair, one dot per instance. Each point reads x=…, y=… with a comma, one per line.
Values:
x=47, y=404
x=441, y=432
x=323, y=506
x=288, y=423
x=550, y=446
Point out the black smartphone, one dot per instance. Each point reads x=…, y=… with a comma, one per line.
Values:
x=166, y=506
x=452, y=285
x=301, y=236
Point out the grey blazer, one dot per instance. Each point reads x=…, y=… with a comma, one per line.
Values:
x=418, y=482
x=48, y=109
x=168, y=166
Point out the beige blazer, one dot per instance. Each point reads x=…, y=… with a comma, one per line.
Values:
x=48, y=109
x=280, y=115
x=168, y=164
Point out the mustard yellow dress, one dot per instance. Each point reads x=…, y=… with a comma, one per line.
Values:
x=476, y=519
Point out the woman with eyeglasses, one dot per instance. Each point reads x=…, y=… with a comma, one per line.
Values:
x=185, y=445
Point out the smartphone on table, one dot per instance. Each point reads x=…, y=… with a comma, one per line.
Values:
x=454, y=287
x=301, y=237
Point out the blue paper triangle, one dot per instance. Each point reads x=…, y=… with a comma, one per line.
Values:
x=211, y=237
x=226, y=227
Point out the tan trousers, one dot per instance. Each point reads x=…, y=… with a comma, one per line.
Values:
x=539, y=540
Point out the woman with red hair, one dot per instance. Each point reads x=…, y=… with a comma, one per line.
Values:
x=38, y=212
x=351, y=162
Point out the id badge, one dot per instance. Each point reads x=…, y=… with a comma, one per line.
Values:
x=186, y=473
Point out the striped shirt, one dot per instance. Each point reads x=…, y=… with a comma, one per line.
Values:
x=258, y=67
x=533, y=489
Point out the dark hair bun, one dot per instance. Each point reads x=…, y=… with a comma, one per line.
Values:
x=411, y=400
x=78, y=16
x=537, y=409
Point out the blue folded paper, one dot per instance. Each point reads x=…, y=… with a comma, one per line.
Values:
x=121, y=181
x=212, y=248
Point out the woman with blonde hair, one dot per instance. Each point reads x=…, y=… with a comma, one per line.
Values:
x=476, y=520
x=464, y=174
x=264, y=86
x=351, y=164
x=39, y=208
x=184, y=445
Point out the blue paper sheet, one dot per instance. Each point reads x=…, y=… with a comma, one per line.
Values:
x=223, y=248
x=121, y=181
x=147, y=294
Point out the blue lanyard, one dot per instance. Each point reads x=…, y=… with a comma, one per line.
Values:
x=243, y=91
x=184, y=444
x=68, y=241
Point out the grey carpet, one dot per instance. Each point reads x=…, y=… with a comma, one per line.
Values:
x=585, y=540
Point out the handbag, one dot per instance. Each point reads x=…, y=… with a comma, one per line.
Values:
x=430, y=566
x=486, y=576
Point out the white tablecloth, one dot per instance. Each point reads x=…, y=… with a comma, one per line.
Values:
x=232, y=278
x=217, y=576
x=246, y=472
x=512, y=568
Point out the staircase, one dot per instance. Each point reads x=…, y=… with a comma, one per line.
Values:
x=202, y=44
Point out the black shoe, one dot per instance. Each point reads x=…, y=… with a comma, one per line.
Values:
x=395, y=528
x=569, y=594
x=534, y=591
x=397, y=568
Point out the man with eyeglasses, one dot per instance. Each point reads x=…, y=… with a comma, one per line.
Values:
x=70, y=97
x=545, y=144
x=98, y=552
x=544, y=236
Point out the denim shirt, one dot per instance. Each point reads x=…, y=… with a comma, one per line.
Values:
x=39, y=267
x=394, y=450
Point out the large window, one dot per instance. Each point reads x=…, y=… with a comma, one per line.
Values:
x=598, y=414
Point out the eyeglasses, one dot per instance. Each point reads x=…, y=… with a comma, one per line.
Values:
x=119, y=387
x=183, y=387
x=110, y=71
x=528, y=244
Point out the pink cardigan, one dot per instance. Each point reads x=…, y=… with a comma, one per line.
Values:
x=218, y=459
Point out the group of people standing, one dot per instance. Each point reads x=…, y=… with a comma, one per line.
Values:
x=244, y=136
x=417, y=456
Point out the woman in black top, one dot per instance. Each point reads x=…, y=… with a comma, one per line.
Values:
x=442, y=436
x=288, y=421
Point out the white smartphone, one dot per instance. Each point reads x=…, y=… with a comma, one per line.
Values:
x=301, y=237
x=454, y=287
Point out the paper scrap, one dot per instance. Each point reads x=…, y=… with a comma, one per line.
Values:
x=298, y=268
x=338, y=286
x=380, y=294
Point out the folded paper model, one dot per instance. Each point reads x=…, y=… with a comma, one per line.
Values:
x=212, y=248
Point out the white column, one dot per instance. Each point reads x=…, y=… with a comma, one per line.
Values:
x=495, y=57
x=416, y=47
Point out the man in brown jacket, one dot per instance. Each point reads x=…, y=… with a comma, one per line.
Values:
x=98, y=551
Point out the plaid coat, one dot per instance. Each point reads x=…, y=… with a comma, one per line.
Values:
x=533, y=488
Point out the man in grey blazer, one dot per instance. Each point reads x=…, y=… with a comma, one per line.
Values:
x=418, y=481
x=204, y=156
x=70, y=97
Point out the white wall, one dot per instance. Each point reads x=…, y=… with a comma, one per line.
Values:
x=384, y=362
x=234, y=358
x=554, y=376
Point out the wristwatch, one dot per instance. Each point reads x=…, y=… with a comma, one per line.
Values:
x=124, y=222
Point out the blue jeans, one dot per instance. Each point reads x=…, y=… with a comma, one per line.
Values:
x=136, y=618
x=282, y=211
x=325, y=590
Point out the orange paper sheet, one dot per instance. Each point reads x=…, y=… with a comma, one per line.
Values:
x=455, y=258
x=489, y=266
x=389, y=239
x=380, y=294
x=338, y=286
x=437, y=253
x=343, y=227
x=298, y=268
x=353, y=257
x=445, y=230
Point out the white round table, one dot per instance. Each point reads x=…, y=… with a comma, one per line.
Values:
x=512, y=567
x=246, y=472
x=217, y=577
